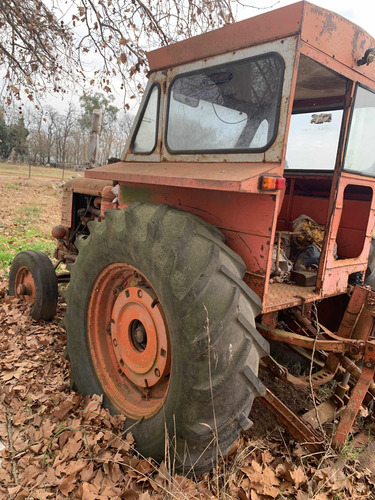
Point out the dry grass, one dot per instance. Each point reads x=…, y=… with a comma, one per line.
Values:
x=24, y=170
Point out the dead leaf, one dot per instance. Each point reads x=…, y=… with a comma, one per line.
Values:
x=67, y=485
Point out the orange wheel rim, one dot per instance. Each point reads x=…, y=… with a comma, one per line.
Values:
x=129, y=341
x=24, y=285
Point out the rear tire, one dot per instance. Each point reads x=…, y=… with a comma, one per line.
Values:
x=209, y=311
x=34, y=272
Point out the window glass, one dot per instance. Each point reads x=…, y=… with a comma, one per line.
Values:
x=230, y=107
x=360, y=152
x=145, y=138
x=313, y=140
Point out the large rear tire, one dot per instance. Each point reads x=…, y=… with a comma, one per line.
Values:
x=151, y=257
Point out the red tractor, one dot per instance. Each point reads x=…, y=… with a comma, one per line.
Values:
x=240, y=216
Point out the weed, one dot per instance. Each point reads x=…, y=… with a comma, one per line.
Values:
x=325, y=391
x=29, y=240
x=47, y=451
x=349, y=452
x=13, y=186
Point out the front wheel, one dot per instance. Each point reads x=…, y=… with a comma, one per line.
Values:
x=160, y=322
x=32, y=279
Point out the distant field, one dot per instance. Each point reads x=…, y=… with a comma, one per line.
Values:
x=30, y=209
x=47, y=172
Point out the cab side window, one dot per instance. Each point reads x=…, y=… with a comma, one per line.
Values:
x=145, y=136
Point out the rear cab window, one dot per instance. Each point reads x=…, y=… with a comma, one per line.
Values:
x=233, y=107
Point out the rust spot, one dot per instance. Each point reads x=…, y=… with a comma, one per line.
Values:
x=317, y=10
x=328, y=24
x=357, y=32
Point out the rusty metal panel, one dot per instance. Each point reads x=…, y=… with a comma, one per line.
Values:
x=246, y=219
x=81, y=185
x=66, y=208
x=341, y=40
x=279, y=23
x=334, y=65
x=310, y=206
x=242, y=177
x=282, y=296
x=84, y=185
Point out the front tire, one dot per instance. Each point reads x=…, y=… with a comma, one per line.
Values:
x=32, y=278
x=207, y=387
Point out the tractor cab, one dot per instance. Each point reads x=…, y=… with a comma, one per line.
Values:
x=254, y=126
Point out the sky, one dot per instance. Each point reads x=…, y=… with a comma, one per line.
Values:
x=361, y=12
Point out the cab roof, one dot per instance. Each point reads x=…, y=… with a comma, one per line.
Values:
x=321, y=29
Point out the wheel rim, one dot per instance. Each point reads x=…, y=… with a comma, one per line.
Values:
x=129, y=341
x=24, y=285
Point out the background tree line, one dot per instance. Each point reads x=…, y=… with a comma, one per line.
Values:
x=47, y=136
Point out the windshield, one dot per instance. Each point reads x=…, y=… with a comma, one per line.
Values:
x=313, y=140
x=229, y=107
x=360, y=152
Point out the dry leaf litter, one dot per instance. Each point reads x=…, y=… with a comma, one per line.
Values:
x=61, y=445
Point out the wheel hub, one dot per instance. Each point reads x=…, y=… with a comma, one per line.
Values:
x=24, y=285
x=129, y=341
x=139, y=336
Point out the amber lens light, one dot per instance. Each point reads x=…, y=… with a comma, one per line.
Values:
x=271, y=183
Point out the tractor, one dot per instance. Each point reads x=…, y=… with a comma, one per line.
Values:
x=234, y=234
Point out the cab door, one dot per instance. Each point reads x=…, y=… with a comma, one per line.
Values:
x=352, y=202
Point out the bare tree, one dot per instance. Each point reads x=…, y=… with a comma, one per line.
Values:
x=64, y=124
x=41, y=138
x=37, y=49
x=44, y=45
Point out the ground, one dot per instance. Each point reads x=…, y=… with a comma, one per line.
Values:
x=60, y=445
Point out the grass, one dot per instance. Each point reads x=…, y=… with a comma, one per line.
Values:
x=349, y=452
x=8, y=251
x=25, y=235
x=23, y=170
